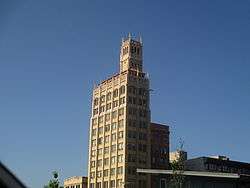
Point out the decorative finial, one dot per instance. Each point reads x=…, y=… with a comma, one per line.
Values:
x=122, y=39
x=129, y=35
x=140, y=39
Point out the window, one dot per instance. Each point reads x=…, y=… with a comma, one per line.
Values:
x=122, y=89
x=113, y=160
x=106, y=161
x=95, y=111
x=100, y=119
x=134, y=100
x=100, y=130
x=99, y=174
x=119, y=183
x=99, y=151
x=100, y=140
x=94, y=121
x=120, y=170
x=130, y=100
x=96, y=101
x=114, y=114
x=113, y=126
x=102, y=109
x=106, y=150
x=132, y=134
x=112, y=183
x=105, y=184
x=106, y=139
x=132, y=146
x=163, y=183
x=113, y=137
x=112, y=172
x=93, y=142
x=120, y=123
x=120, y=146
x=92, y=185
x=113, y=148
x=107, y=128
x=93, y=132
x=107, y=117
x=131, y=158
x=102, y=99
x=121, y=100
x=109, y=96
x=93, y=153
x=120, y=134
x=115, y=103
x=92, y=163
x=99, y=162
x=120, y=158
x=115, y=93
x=92, y=175
x=121, y=111
x=108, y=106
x=106, y=173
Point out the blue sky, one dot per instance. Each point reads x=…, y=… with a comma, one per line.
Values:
x=52, y=52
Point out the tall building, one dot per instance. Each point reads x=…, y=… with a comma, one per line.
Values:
x=120, y=124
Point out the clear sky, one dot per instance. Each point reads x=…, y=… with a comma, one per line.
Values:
x=197, y=54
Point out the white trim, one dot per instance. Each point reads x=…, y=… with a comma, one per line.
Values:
x=190, y=173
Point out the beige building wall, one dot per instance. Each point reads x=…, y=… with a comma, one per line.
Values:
x=119, y=127
x=177, y=156
x=76, y=182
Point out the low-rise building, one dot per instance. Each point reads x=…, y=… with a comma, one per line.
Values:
x=76, y=182
x=159, y=149
x=159, y=146
x=198, y=179
x=217, y=164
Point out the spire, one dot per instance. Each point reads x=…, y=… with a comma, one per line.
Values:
x=140, y=39
x=129, y=36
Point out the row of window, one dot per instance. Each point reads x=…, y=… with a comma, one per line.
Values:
x=133, y=49
x=137, y=91
x=139, y=124
x=108, y=116
x=135, y=134
x=107, y=128
x=107, y=184
x=139, y=101
x=141, y=147
x=108, y=97
x=115, y=104
x=112, y=149
x=107, y=172
x=106, y=139
x=73, y=186
x=106, y=161
x=137, y=112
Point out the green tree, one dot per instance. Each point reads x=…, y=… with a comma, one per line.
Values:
x=54, y=183
x=178, y=167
